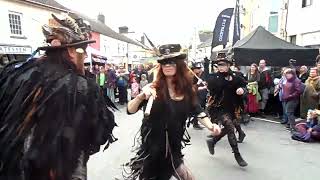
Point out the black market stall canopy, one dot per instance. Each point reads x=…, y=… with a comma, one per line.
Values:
x=261, y=44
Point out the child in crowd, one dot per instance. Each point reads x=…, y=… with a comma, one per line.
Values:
x=143, y=81
x=134, y=88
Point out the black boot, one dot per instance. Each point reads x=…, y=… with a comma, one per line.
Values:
x=211, y=144
x=240, y=160
x=242, y=135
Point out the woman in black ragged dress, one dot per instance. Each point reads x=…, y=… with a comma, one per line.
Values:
x=162, y=132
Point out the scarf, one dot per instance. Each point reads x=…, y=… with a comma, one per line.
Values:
x=312, y=81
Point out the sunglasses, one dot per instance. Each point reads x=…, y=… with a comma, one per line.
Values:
x=170, y=63
x=222, y=64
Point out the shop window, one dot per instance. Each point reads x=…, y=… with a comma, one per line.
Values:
x=15, y=23
x=293, y=39
x=273, y=22
x=306, y=3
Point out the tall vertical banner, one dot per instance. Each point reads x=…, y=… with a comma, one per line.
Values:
x=236, y=27
x=221, y=29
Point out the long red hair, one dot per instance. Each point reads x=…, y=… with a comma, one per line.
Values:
x=182, y=82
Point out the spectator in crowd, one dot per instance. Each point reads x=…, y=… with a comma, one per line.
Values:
x=278, y=92
x=122, y=84
x=152, y=73
x=310, y=97
x=134, y=88
x=318, y=62
x=291, y=90
x=264, y=84
x=236, y=69
x=96, y=72
x=143, y=81
x=303, y=74
x=309, y=131
x=96, y=69
x=102, y=77
x=214, y=68
x=139, y=71
x=254, y=97
x=111, y=79
x=131, y=76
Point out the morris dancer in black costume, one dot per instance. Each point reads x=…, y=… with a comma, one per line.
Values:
x=159, y=156
x=201, y=89
x=226, y=89
x=52, y=117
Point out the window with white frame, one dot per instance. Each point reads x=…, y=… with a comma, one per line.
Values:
x=15, y=23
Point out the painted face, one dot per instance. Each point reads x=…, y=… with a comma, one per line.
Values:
x=223, y=67
x=169, y=68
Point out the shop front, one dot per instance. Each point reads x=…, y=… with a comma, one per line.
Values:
x=9, y=53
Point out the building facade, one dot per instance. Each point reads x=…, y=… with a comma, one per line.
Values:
x=303, y=26
x=20, y=32
x=263, y=13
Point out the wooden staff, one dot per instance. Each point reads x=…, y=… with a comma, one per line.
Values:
x=149, y=106
x=151, y=98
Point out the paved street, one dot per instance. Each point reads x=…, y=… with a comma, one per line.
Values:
x=268, y=149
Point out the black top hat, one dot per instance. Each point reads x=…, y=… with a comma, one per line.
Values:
x=170, y=51
x=222, y=57
x=70, y=31
x=196, y=65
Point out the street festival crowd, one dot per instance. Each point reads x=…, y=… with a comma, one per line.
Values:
x=55, y=112
x=286, y=94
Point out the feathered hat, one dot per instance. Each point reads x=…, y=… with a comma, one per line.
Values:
x=169, y=51
x=68, y=31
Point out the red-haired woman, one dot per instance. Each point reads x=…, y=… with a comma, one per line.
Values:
x=162, y=133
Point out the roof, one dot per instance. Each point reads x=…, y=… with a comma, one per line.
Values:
x=95, y=25
x=107, y=31
x=263, y=39
x=49, y=3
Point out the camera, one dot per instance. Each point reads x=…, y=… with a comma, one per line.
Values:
x=292, y=61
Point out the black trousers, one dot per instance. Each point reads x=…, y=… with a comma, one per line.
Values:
x=229, y=123
x=123, y=94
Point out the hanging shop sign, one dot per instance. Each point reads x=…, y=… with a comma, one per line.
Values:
x=9, y=49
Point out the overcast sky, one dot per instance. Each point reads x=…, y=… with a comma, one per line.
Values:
x=164, y=21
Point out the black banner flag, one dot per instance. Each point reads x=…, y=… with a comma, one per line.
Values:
x=221, y=29
x=236, y=27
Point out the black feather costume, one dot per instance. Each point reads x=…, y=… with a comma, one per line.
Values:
x=51, y=120
x=162, y=136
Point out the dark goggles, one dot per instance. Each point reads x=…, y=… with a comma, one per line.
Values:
x=167, y=62
x=222, y=64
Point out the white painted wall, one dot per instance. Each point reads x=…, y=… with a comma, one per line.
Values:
x=259, y=13
x=304, y=22
x=115, y=50
x=32, y=19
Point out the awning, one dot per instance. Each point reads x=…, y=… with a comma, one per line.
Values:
x=95, y=56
